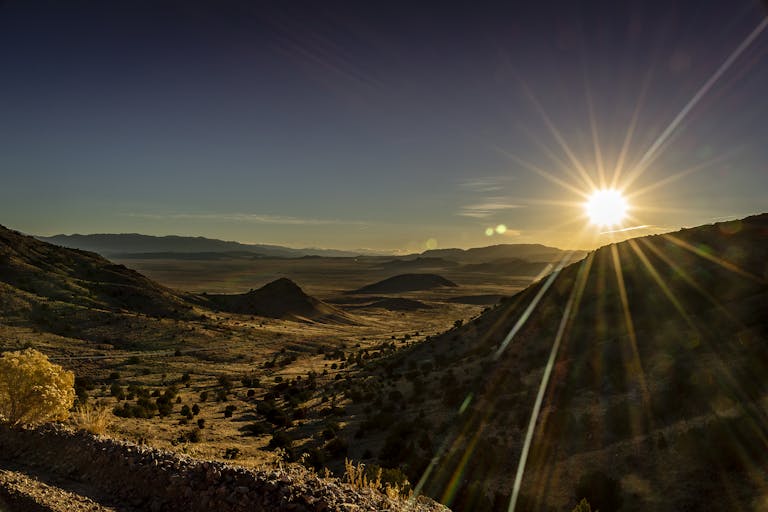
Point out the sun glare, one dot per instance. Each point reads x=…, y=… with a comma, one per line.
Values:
x=606, y=207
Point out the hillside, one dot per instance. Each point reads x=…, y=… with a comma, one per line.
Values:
x=406, y=283
x=510, y=266
x=279, y=299
x=419, y=263
x=44, y=282
x=657, y=397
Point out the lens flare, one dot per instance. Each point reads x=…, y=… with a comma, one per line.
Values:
x=606, y=207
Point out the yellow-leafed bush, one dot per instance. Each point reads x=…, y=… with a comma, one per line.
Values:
x=32, y=389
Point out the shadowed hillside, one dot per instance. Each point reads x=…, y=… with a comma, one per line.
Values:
x=656, y=398
x=406, y=283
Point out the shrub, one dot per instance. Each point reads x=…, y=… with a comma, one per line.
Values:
x=231, y=453
x=32, y=389
x=279, y=440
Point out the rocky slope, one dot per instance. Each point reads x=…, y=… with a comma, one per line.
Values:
x=132, y=477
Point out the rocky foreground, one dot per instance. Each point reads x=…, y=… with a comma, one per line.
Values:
x=51, y=468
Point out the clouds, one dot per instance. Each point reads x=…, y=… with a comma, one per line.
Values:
x=487, y=209
x=249, y=218
x=485, y=197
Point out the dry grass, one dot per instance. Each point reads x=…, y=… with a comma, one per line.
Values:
x=95, y=419
x=356, y=476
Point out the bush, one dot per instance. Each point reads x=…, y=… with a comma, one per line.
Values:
x=32, y=389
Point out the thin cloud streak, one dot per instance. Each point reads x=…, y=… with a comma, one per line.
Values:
x=483, y=210
x=247, y=218
x=632, y=228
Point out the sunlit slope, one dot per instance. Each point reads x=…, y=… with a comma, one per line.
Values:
x=657, y=397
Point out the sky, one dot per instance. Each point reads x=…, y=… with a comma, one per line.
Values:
x=380, y=125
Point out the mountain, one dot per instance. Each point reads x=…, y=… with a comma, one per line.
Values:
x=528, y=252
x=406, y=283
x=281, y=298
x=509, y=266
x=657, y=354
x=131, y=243
x=418, y=263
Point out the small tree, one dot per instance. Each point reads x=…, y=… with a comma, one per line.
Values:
x=32, y=389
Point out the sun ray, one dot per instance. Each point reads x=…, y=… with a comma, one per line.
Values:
x=654, y=150
x=629, y=324
x=572, y=304
x=532, y=306
x=714, y=259
x=674, y=177
x=659, y=281
x=619, y=167
x=595, y=136
x=680, y=271
x=541, y=172
x=559, y=138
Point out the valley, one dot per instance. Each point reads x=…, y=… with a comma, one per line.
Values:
x=260, y=361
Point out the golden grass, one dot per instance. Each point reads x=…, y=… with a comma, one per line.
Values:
x=95, y=419
x=355, y=475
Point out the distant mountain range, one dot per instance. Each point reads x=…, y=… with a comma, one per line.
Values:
x=133, y=244
x=529, y=252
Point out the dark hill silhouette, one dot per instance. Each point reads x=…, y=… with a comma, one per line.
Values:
x=528, y=252
x=509, y=266
x=661, y=374
x=406, y=283
x=418, y=263
x=281, y=298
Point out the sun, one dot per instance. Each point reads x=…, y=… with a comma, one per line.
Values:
x=606, y=207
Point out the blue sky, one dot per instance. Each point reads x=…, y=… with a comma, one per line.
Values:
x=365, y=125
